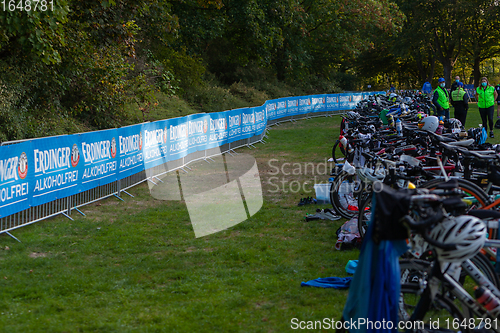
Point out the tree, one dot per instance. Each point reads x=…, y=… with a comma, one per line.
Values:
x=483, y=27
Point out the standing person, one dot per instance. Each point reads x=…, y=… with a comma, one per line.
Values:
x=486, y=96
x=454, y=85
x=460, y=102
x=427, y=88
x=440, y=99
x=497, y=89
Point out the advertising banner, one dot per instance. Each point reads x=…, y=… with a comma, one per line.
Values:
x=99, y=158
x=197, y=132
x=332, y=102
x=130, y=143
x=217, y=129
x=57, y=168
x=15, y=192
x=41, y=170
x=305, y=104
x=318, y=103
x=155, y=149
x=234, y=118
x=292, y=106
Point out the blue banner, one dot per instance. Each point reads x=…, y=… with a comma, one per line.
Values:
x=155, y=149
x=130, y=142
x=234, y=118
x=217, y=129
x=99, y=156
x=305, y=105
x=332, y=103
x=16, y=175
x=198, y=132
x=318, y=103
x=57, y=168
x=292, y=106
x=41, y=170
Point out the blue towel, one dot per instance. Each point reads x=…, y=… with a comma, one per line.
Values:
x=330, y=282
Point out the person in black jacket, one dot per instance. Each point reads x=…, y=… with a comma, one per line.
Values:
x=460, y=102
x=454, y=85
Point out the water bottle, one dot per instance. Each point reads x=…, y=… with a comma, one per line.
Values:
x=399, y=127
x=488, y=300
x=343, y=141
x=440, y=127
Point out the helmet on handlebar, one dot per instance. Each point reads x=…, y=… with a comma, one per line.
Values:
x=429, y=123
x=478, y=134
x=351, y=115
x=468, y=233
x=454, y=123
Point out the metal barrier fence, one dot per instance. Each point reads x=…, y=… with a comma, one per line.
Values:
x=65, y=206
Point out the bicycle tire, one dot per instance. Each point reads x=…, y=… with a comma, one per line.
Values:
x=334, y=150
x=484, y=265
x=467, y=187
x=425, y=308
x=341, y=201
x=364, y=213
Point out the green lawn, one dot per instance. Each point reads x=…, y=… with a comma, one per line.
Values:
x=136, y=266
x=474, y=119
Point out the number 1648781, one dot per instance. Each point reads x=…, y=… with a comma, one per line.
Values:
x=27, y=5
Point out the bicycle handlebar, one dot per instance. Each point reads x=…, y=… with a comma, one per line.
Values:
x=423, y=225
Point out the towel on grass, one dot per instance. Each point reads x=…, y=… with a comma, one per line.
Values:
x=330, y=282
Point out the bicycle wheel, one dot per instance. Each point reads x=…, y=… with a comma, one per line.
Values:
x=336, y=147
x=420, y=310
x=478, y=198
x=468, y=282
x=343, y=195
x=364, y=213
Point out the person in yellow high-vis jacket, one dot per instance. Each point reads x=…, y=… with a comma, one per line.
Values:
x=486, y=96
x=460, y=102
x=440, y=99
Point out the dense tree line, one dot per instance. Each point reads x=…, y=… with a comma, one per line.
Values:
x=436, y=37
x=87, y=59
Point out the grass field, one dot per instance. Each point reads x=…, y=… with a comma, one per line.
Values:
x=136, y=266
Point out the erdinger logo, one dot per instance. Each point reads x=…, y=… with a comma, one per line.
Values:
x=75, y=155
x=22, y=167
x=165, y=135
x=140, y=140
x=205, y=126
x=113, y=148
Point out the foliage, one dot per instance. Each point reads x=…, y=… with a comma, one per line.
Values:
x=88, y=60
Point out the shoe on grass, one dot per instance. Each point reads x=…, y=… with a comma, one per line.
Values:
x=492, y=135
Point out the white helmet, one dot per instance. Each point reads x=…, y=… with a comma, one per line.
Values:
x=351, y=115
x=455, y=123
x=430, y=123
x=468, y=233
